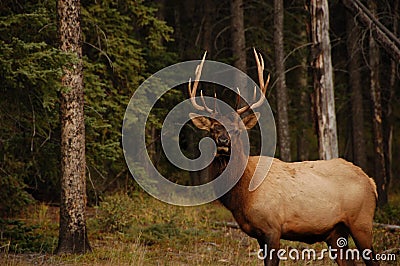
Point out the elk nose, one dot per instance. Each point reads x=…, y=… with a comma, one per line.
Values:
x=223, y=140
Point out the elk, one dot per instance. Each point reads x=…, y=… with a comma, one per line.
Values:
x=308, y=201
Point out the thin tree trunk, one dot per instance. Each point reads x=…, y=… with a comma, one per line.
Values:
x=72, y=235
x=379, y=157
x=323, y=80
x=238, y=36
x=207, y=28
x=388, y=110
x=281, y=89
x=303, y=150
x=357, y=110
x=178, y=35
x=239, y=45
x=303, y=98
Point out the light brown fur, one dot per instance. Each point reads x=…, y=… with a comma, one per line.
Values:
x=307, y=201
x=336, y=190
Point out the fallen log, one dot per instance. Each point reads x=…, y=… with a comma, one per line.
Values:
x=381, y=34
x=390, y=227
x=233, y=225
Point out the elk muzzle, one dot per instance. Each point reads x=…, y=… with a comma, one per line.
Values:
x=223, y=144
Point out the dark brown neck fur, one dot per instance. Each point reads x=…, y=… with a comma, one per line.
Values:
x=233, y=199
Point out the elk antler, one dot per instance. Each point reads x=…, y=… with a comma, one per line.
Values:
x=263, y=86
x=192, y=92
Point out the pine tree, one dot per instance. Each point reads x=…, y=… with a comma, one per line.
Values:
x=73, y=235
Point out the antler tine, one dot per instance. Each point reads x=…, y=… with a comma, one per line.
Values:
x=197, y=72
x=237, y=98
x=204, y=103
x=260, y=69
x=244, y=108
x=267, y=82
x=215, y=101
x=263, y=86
x=192, y=92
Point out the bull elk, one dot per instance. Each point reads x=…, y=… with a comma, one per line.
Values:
x=308, y=201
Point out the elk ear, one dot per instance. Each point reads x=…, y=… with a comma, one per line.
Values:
x=251, y=120
x=200, y=121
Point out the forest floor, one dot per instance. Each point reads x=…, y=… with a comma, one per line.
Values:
x=140, y=230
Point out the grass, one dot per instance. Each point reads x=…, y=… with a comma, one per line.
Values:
x=140, y=230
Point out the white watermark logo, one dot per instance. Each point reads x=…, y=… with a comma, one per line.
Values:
x=341, y=242
x=138, y=113
x=332, y=253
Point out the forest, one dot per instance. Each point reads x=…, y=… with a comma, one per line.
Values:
x=123, y=43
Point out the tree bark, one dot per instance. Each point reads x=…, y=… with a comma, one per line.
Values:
x=388, y=103
x=357, y=110
x=281, y=89
x=303, y=118
x=323, y=80
x=72, y=234
x=239, y=45
x=303, y=145
x=207, y=28
x=379, y=157
x=238, y=35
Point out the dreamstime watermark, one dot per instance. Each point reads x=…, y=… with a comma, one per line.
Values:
x=332, y=253
x=139, y=111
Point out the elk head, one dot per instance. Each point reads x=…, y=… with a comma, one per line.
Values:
x=217, y=123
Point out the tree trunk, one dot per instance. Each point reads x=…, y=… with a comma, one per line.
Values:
x=207, y=28
x=303, y=145
x=178, y=35
x=302, y=96
x=388, y=106
x=357, y=110
x=239, y=45
x=281, y=89
x=379, y=157
x=238, y=36
x=72, y=235
x=323, y=80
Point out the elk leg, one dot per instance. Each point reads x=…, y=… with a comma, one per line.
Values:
x=362, y=236
x=270, y=246
x=338, y=246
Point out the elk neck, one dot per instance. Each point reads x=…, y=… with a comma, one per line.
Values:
x=233, y=199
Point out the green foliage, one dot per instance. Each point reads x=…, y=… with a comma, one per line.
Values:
x=119, y=40
x=19, y=237
x=139, y=215
x=115, y=213
x=159, y=232
x=30, y=70
x=13, y=196
x=389, y=214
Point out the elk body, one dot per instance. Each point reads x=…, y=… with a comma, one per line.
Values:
x=307, y=201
